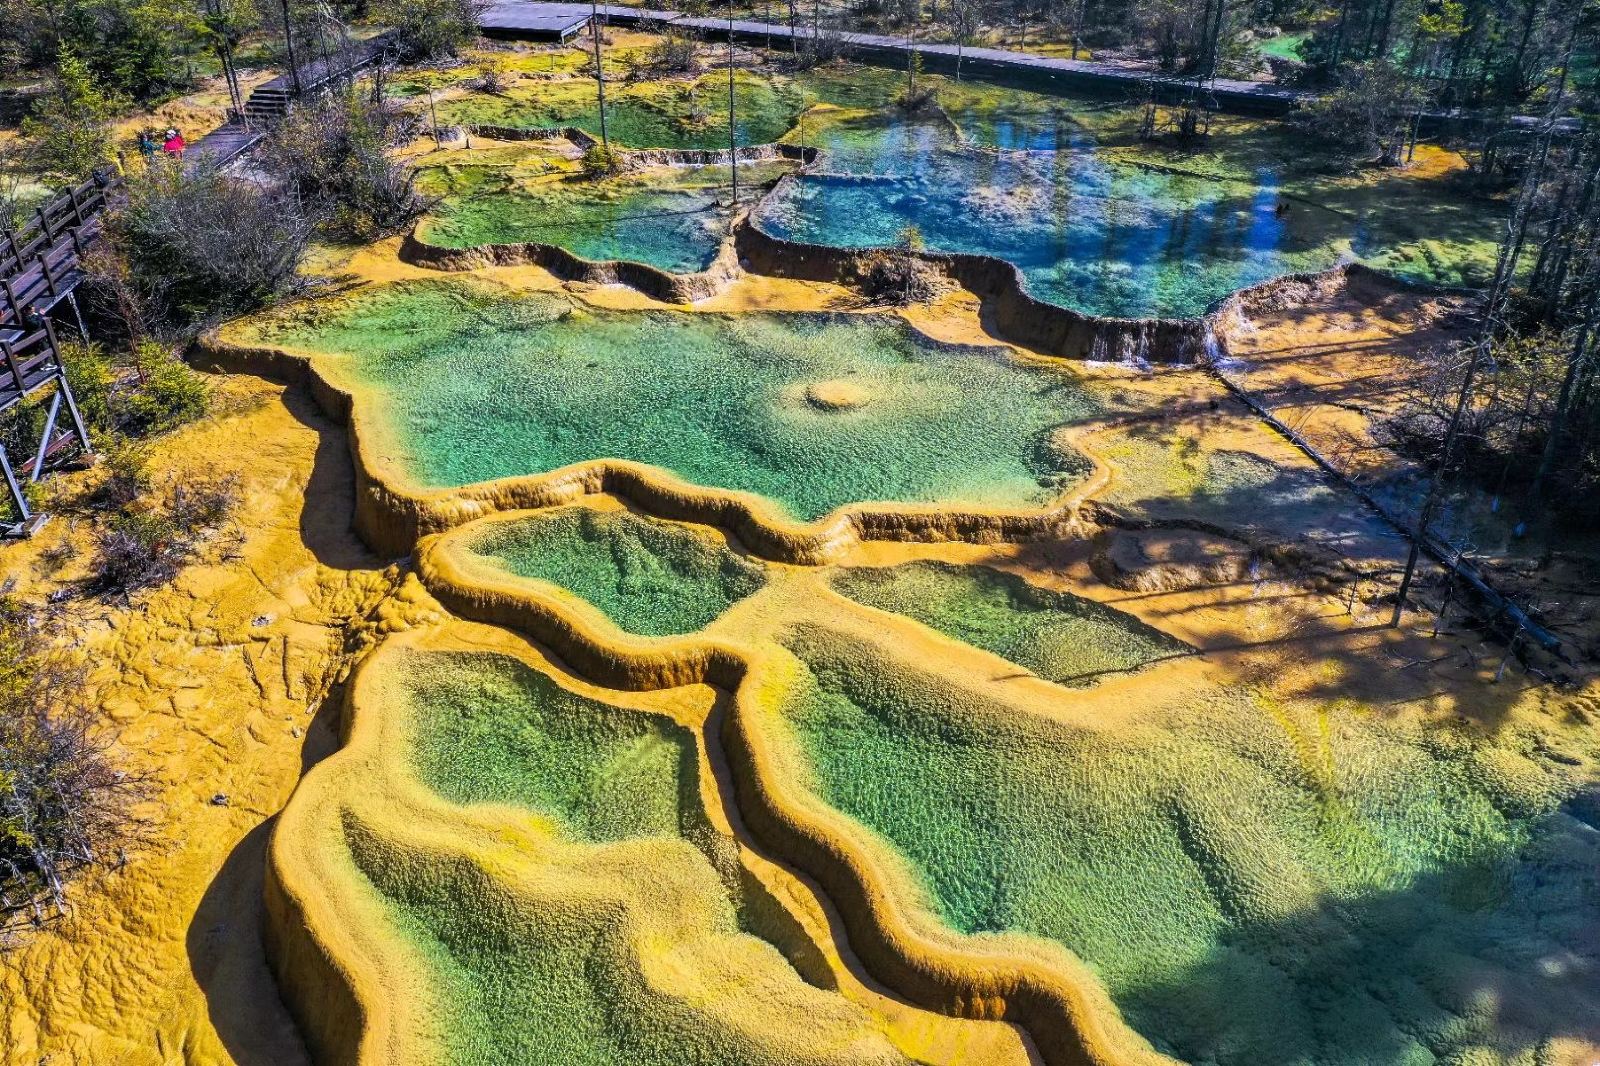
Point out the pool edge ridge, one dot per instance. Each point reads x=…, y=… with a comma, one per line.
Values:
x=1066, y=1021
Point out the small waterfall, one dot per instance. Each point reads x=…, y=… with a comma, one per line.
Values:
x=1141, y=349
x=1097, y=347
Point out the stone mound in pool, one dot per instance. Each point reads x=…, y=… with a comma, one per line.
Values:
x=837, y=394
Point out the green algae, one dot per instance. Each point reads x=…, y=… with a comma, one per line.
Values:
x=648, y=577
x=490, y=730
x=560, y=981
x=1059, y=636
x=676, y=113
x=470, y=385
x=673, y=218
x=1252, y=881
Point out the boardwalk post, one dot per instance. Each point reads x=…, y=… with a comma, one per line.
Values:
x=64, y=389
x=11, y=363
x=44, y=440
x=17, y=497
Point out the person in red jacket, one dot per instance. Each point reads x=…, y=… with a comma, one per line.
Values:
x=174, y=144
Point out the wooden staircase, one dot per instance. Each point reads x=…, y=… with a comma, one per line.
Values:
x=40, y=268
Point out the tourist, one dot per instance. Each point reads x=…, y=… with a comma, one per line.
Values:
x=174, y=145
x=147, y=145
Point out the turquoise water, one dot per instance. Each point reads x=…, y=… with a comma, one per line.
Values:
x=472, y=385
x=1101, y=238
x=545, y=968
x=671, y=218
x=648, y=577
x=1059, y=636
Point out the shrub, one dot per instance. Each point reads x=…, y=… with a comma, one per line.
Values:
x=918, y=95
x=150, y=540
x=494, y=74
x=193, y=244
x=69, y=128
x=92, y=375
x=601, y=162
x=429, y=29
x=63, y=804
x=170, y=393
x=137, y=549
x=672, y=54
x=126, y=469
x=334, y=155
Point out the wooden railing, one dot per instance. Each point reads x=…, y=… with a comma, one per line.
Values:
x=72, y=209
x=30, y=359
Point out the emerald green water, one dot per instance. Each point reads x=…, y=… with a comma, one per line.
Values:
x=1253, y=883
x=1059, y=636
x=489, y=729
x=672, y=218
x=471, y=385
x=558, y=980
x=648, y=577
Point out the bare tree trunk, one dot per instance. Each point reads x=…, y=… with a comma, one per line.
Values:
x=1579, y=354
x=599, y=72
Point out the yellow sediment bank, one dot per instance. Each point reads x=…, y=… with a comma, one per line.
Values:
x=358, y=989
x=212, y=684
x=210, y=687
x=1042, y=989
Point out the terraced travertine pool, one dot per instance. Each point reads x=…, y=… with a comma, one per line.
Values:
x=627, y=883
x=1253, y=881
x=1059, y=636
x=1102, y=232
x=672, y=218
x=650, y=578
x=1250, y=877
x=1095, y=217
x=812, y=412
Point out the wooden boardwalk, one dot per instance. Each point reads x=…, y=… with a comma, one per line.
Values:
x=40, y=267
x=271, y=100
x=525, y=19
x=517, y=18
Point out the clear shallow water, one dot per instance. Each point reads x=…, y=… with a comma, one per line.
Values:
x=552, y=974
x=648, y=577
x=1102, y=238
x=1096, y=219
x=471, y=385
x=674, y=219
x=1253, y=882
x=1059, y=636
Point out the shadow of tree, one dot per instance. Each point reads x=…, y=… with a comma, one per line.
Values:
x=1255, y=881
x=1497, y=953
